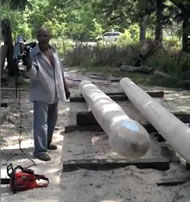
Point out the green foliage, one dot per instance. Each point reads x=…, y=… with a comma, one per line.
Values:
x=172, y=44
x=56, y=29
x=23, y=28
x=130, y=36
x=175, y=64
x=16, y=5
x=184, y=61
x=162, y=61
x=63, y=45
x=98, y=30
x=73, y=21
x=102, y=55
x=79, y=55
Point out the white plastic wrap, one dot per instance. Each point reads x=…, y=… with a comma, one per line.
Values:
x=126, y=136
x=171, y=128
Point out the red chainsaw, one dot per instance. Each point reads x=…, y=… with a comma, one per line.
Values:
x=22, y=179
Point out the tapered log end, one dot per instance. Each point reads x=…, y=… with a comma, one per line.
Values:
x=129, y=143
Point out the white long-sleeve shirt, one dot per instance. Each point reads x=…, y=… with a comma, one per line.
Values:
x=46, y=80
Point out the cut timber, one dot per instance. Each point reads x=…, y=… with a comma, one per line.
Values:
x=5, y=180
x=176, y=133
x=126, y=136
x=97, y=127
x=119, y=96
x=173, y=181
x=4, y=104
x=87, y=118
x=73, y=128
x=107, y=164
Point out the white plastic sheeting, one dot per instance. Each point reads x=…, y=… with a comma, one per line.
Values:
x=126, y=136
x=171, y=128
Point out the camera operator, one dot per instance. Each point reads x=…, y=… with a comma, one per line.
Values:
x=48, y=87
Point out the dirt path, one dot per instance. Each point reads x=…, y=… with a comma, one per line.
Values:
x=117, y=185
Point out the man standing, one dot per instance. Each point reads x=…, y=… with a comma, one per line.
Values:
x=47, y=88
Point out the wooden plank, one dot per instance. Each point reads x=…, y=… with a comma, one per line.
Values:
x=4, y=104
x=5, y=180
x=173, y=181
x=107, y=164
x=73, y=128
x=87, y=118
x=118, y=96
x=93, y=128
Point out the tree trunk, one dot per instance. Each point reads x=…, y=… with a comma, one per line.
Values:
x=142, y=26
x=8, y=48
x=186, y=34
x=159, y=20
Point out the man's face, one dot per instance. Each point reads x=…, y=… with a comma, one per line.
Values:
x=43, y=36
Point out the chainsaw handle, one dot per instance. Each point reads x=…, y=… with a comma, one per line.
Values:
x=10, y=170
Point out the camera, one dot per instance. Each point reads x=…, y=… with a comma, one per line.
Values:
x=21, y=51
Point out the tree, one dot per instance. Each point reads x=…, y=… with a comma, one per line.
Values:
x=159, y=20
x=15, y=4
x=6, y=32
x=184, y=15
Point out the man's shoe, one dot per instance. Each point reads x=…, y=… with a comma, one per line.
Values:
x=43, y=157
x=52, y=146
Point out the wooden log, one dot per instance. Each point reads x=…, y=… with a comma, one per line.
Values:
x=176, y=133
x=5, y=180
x=4, y=104
x=119, y=96
x=126, y=136
x=93, y=128
x=173, y=181
x=73, y=128
x=88, y=123
x=87, y=118
x=107, y=164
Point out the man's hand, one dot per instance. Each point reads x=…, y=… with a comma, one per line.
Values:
x=27, y=60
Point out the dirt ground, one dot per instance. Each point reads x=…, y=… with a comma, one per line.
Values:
x=125, y=184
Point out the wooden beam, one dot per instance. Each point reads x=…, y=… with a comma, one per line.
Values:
x=118, y=96
x=72, y=128
x=173, y=181
x=4, y=104
x=5, y=180
x=93, y=128
x=107, y=164
x=87, y=118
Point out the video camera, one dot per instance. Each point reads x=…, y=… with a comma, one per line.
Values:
x=21, y=51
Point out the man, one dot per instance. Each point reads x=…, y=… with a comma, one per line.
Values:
x=48, y=87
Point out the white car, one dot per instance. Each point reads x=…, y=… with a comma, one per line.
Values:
x=111, y=36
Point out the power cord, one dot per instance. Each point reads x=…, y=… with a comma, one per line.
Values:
x=20, y=130
x=19, y=127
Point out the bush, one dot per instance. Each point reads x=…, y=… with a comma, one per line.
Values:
x=62, y=45
x=172, y=44
x=162, y=61
x=176, y=64
x=101, y=55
